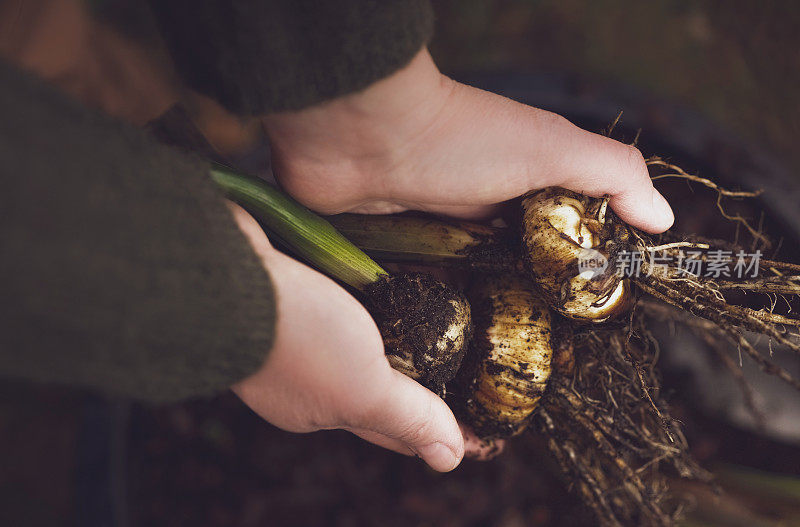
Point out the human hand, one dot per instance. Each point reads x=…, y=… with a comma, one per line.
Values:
x=327, y=369
x=419, y=140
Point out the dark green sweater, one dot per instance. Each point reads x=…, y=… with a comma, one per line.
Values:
x=121, y=267
x=271, y=55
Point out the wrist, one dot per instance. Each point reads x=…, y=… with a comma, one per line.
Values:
x=375, y=123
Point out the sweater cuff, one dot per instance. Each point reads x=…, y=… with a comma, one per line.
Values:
x=263, y=57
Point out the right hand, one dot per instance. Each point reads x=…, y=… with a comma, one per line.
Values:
x=417, y=140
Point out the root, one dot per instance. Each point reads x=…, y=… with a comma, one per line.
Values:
x=766, y=365
x=696, y=300
x=713, y=337
x=741, y=220
x=591, y=491
x=614, y=123
x=677, y=245
x=611, y=431
x=781, y=285
x=748, y=395
x=678, y=172
x=776, y=267
x=785, y=277
x=720, y=328
x=607, y=423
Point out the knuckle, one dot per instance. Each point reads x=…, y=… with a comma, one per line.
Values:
x=633, y=162
x=415, y=432
x=554, y=120
x=419, y=428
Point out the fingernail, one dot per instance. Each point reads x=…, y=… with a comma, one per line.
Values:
x=662, y=211
x=439, y=456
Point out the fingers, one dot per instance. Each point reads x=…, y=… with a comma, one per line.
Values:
x=597, y=166
x=467, y=212
x=474, y=447
x=250, y=228
x=413, y=417
x=382, y=441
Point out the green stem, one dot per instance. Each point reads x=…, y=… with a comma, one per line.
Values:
x=308, y=235
x=429, y=240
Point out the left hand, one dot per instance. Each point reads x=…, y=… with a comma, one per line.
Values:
x=327, y=369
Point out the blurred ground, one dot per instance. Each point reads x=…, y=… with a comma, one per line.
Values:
x=213, y=462
x=737, y=61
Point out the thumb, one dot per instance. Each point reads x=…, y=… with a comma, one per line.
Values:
x=598, y=166
x=410, y=415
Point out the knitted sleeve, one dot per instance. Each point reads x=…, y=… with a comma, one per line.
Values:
x=260, y=56
x=121, y=268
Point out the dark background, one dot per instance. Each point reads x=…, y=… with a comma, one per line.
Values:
x=738, y=61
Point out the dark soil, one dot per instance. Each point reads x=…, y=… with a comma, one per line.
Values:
x=413, y=311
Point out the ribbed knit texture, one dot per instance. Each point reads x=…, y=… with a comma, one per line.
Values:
x=121, y=267
x=260, y=56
